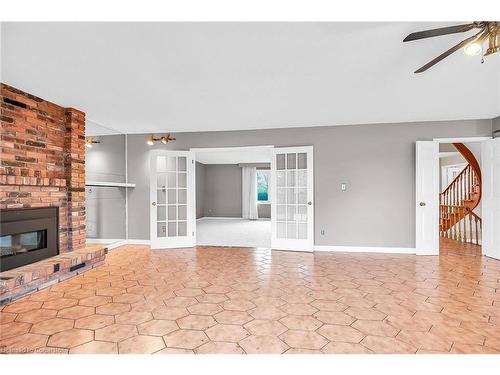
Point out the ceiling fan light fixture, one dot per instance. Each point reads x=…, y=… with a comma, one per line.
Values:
x=151, y=140
x=473, y=49
x=493, y=43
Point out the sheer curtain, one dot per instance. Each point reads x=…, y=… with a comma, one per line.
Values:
x=249, y=193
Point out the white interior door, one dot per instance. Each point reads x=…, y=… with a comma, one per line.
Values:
x=427, y=194
x=490, y=165
x=172, y=199
x=292, y=209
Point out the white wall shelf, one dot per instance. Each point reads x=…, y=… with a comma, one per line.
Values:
x=109, y=184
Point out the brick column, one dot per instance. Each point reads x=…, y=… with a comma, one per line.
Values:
x=74, y=166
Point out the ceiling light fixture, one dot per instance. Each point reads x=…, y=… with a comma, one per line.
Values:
x=89, y=141
x=164, y=139
x=473, y=49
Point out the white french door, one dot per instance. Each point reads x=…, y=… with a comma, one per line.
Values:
x=292, y=209
x=490, y=208
x=427, y=194
x=172, y=199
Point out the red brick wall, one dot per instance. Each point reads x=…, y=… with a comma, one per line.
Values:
x=42, y=160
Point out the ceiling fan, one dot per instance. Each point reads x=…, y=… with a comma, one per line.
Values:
x=488, y=30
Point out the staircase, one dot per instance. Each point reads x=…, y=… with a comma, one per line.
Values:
x=463, y=194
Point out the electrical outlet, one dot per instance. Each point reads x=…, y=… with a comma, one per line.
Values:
x=322, y=232
x=343, y=186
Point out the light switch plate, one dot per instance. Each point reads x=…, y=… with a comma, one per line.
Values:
x=343, y=186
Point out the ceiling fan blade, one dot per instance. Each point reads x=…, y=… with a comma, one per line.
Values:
x=446, y=54
x=440, y=31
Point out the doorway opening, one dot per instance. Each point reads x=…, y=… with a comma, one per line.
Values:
x=460, y=218
x=233, y=196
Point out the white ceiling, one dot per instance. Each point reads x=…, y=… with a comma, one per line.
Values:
x=157, y=77
x=235, y=155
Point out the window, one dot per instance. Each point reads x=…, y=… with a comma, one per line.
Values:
x=263, y=178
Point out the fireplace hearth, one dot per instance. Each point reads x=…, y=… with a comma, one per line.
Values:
x=27, y=236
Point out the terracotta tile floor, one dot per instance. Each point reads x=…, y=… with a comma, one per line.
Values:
x=235, y=300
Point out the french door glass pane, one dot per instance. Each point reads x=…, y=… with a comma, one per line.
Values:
x=161, y=229
x=280, y=161
x=171, y=196
x=172, y=229
x=292, y=196
x=161, y=196
x=161, y=213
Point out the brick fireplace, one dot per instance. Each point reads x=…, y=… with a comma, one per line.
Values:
x=42, y=161
x=42, y=164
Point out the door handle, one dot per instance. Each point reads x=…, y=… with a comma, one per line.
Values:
x=310, y=203
x=422, y=204
x=154, y=203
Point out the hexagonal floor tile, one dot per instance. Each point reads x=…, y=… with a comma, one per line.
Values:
x=211, y=298
x=94, y=301
x=238, y=305
x=133, y=317
x=334, y=317
x=341, y=333
x=233, y=317
x=301, y=323
x=113, y=308
x=387, y=345
x=227, y=332
x=219, y=348
x=115, y=332
x=170, y=313
x=375, y=328
x=180, y=301
x=200, y=322
x=365, y=313
x=59, y=304
x=22, y=306
x=95, y=347
x=71, y=338
x=94, y=322
x=21, y=344
x=141, y=345
x=260, y=327
x=185, y=339
x=329, y=305
x=345, y=348
x=51, y=326
x=205, y=309
x=303, y=340
x=75, y=312
x=272, y=313
x=157, y=327
x=263, y=345
x=14, y=329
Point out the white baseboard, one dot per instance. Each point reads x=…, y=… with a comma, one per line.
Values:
x=104, y=240
x=229, y=218
x=366, y=249
x=138, y=242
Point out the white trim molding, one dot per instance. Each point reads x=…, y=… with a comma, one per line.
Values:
x=366, y=249
x=461, y=139
x=138, y=242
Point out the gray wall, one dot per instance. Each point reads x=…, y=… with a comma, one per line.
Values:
x=105, y=206
x=377, y=162
x=222, y=195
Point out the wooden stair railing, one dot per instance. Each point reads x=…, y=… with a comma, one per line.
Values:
x=463, y=194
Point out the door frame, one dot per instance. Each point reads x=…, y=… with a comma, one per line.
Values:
x=435, y=199
x=189, y=240
x=195, y=150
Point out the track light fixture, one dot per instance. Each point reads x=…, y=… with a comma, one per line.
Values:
x=89, y=141
x=164, y=139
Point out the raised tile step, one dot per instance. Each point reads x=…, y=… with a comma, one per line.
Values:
x=25, y=280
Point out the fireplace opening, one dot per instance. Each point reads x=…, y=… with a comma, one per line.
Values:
x=28, y=236
x=13, y=244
